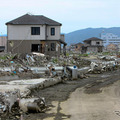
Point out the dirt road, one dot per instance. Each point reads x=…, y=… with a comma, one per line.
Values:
x=96, y=98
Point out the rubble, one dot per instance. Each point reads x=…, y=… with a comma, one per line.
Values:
x=32, y=105
x=99, y=67
x=107, y=58
x=8, y=102
x=11, y=104
x=70, y=67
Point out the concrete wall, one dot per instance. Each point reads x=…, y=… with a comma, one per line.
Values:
x=23, y=32
x=92, y=49
x=3, y=40
x=62, y=37
x=25, y=46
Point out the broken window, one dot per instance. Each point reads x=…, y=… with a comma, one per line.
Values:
x=35, y=30
x=36, y=48
x=52, y=46
x=52, y=31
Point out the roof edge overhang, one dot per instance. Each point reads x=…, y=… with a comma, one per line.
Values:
x=33, y=24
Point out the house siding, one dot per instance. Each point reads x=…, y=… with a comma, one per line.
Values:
x=23, y=32
x=57, y=33
x=94, y=42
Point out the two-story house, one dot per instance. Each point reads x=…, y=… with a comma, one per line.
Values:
x=76, y=47
x=93, y=45
x=34, y=33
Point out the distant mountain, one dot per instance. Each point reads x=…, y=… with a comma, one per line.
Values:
x=81, y=35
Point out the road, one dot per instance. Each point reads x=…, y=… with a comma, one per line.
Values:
x=93, y=98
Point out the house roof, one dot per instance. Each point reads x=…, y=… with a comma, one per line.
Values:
x=78, y=43
x=93, y=38
x=28, y=19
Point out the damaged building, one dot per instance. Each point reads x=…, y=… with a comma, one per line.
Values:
x=93, y=45
x=35, y=33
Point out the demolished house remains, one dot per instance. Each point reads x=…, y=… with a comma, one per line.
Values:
x=40, y=67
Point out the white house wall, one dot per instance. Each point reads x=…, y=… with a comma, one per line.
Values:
x=23, y=32
x=94, y=42
x=57, y=33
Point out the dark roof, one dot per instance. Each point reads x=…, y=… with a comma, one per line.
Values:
x=93, y=38
x=33, y=20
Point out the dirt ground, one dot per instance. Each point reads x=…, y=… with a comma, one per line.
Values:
x=93, y=98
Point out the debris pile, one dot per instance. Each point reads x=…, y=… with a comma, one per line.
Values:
x=9, y=104
x=33, y=105
x=107, y=58
x=12, y=106
x=99, y=67
x=70, y=61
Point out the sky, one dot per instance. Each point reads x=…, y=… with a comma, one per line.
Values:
x=73, y=14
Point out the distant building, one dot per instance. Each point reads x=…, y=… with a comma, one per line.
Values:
x=109, y=38
x=118, y=47
x=93, y=45
x=112, y=48
x=76, y=47
x=35, y=33
x=3, y=43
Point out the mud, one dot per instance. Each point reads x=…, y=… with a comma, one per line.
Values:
x=61, y=92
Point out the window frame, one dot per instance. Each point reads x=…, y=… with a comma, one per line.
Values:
x=52, y=31
x=52, y=45
x=97, y=43
x=35, y=30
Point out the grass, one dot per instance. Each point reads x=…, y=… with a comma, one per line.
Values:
x=55, y=60
x=83, y=55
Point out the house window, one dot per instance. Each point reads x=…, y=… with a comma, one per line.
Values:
x=52, y=46
x=36, y=48
x=35, y=30
x=97, y=43
x=52, y=31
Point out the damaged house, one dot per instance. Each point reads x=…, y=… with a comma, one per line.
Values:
x=93, y=45
x=34, y=33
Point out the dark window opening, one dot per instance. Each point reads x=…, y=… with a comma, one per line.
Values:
x=36, y=48
x=35, y=30
x=48, y=49
x=52, y=31
x=97, y=43
x=52, y=46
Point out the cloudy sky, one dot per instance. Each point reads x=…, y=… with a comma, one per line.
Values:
x=73, y=14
